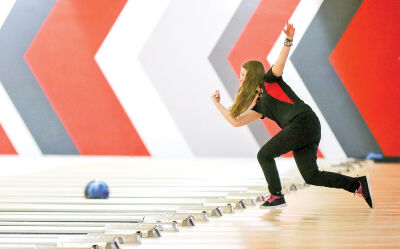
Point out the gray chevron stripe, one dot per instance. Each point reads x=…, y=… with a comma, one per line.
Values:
x=17, y=33
x=311, y=59
x=179, y=68
x=219, y=55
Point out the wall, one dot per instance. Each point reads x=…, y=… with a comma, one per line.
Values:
x=130, y=77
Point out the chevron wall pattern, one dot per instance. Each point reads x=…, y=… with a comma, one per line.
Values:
x=134, y=78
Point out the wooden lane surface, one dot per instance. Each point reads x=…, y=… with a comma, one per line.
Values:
x=93, y=217
x=235, y=188
x=124, y=201
x=316, y=217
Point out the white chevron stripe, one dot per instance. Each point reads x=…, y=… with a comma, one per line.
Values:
x=117, y=58
x=176, y=58
x=5, y=9
x=15, y=127
x=10, y=119
x=301, y=18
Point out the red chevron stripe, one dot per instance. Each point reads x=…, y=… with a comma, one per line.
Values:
x=258, y=38
x=367, y=63
x=62, y=59
x=6, y=146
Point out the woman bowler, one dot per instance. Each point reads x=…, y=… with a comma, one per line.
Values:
x=301, y=130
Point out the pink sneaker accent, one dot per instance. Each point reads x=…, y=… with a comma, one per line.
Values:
x=271, y=198
x=359, y=191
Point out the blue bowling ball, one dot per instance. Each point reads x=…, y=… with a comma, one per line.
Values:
x=374, y=156
x=97, y=189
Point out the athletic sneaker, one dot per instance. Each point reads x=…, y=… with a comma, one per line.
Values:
x=364, y=190
x=274, y=201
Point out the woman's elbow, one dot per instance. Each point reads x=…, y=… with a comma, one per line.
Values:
x=236, y=124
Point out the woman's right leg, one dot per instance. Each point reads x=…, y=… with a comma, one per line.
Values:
x=306, y=160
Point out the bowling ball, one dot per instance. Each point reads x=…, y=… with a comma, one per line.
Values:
x=97, y=189
x=374, y=156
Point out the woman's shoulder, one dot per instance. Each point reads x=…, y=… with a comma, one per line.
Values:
x=270, y=77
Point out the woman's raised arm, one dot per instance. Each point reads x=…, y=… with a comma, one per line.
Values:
x=277, y=68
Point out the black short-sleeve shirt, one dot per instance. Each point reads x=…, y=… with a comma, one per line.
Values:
x=278, y=101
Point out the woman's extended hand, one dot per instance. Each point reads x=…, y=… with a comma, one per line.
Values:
x=215, y=97
x=289, y=31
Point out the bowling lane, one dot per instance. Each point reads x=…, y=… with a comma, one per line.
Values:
x=142, y=206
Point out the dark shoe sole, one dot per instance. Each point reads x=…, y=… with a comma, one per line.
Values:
x=274, y=207
x=370, y=189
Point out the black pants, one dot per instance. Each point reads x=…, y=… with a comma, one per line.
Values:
x=302, y=136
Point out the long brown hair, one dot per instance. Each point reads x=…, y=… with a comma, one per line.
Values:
x=247, y=91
